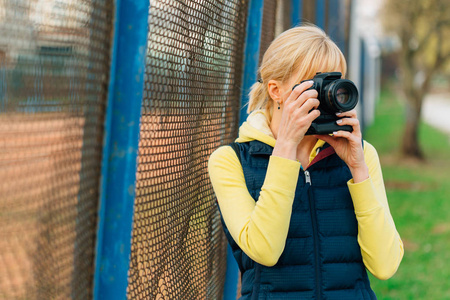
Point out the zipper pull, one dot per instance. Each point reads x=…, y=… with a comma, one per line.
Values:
x=307, y=177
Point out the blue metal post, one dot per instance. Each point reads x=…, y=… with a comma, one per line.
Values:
x=231, y=277
x=362, y=80
x=336, y=23
x=251, y=59
x=251, y=51
x=296, y=12
x=117, y=190
x=320, y=13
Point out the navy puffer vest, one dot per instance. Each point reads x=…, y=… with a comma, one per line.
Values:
x=322, y=258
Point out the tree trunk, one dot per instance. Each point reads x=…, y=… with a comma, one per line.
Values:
x=414, y=94
x=410, y=145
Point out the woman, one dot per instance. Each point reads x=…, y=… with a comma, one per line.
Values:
x=305, y=215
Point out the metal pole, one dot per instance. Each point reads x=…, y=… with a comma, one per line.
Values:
x=320, y=13
x=251, y=59
x=120, y=149
x=296, y=12
x=336, y=23
x=251, y=52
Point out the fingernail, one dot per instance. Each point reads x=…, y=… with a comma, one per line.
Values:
x=339, y=121
x=334, y=133
x=338, y=113
x=310, y=81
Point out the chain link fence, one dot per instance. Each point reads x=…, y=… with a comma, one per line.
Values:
x=190, y=107
x=54, y=66
x=268, y=26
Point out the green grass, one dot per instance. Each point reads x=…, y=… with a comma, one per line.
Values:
x=419, y=199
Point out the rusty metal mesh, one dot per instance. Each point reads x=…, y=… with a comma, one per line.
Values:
x=309, y=11
x=268, y=26
x=190, y=107
x=54, y=61
x=283, y=18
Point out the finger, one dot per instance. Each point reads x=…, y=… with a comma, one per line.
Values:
x=304, y=122
x=350, y=113
x=348, y=121
x=298, y=90
x=314, y=114
x=352, y=122
x=327, y=138
x=346, y=135
x=307, y=106
x=304, y=97
x=302, y=107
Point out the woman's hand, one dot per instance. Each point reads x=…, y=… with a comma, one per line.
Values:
x=348, y=145
x=299, y=110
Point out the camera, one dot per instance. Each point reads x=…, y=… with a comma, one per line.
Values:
x=335, y=95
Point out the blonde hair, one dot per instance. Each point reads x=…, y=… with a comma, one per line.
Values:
x=303, y=50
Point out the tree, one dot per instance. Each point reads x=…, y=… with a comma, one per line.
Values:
x=423, y=28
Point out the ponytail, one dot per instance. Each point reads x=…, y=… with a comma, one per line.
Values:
x=258, y=97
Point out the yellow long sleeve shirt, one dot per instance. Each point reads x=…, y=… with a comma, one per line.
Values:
x=260, y=228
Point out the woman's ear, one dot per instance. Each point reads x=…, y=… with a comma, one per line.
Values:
x=274, y=89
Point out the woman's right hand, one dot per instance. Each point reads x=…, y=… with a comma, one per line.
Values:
x=299, y=111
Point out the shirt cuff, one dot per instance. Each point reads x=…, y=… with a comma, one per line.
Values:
x=282, y=174
x=363, y=195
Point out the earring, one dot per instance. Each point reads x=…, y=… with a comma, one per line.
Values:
x=278, y=104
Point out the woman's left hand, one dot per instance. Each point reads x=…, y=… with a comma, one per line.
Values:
x=348, y=145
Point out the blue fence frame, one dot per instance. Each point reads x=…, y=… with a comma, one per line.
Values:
x=320, y=13
x=251, y=60
x=296, y=12
x=251, y=52
x=117, y=191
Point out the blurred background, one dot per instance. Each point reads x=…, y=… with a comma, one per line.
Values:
x=109, y=110
x=411, y=132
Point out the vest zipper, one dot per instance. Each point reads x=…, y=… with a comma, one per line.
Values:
x=308, y=177
x=312, y=207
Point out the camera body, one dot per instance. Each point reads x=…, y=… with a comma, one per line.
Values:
x=335, y=95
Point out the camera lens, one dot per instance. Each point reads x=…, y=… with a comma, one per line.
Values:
x=340, y=95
